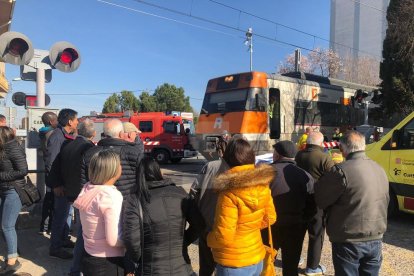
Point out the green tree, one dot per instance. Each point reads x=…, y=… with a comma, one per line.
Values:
x=148, y=102
x=169, y=97
x=128, y=101
x=111, y=104
x=397, y=67
x=120, y=103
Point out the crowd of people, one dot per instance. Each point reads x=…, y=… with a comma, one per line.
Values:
x=136, y=222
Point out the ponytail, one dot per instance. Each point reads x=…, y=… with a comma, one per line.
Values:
x=6, y=135
x=141, y=185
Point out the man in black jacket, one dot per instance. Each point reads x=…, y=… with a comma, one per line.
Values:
x=291, y=192
x=313, y=160
x=68, y=162
x=130, y=154
x=68, y=122
x=355, y=197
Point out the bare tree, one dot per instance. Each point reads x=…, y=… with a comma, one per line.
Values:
x=289, y=65
x=327, y=63
x=324, y=62
x=363, y=70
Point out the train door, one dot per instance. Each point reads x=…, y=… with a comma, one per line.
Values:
x=274, y=113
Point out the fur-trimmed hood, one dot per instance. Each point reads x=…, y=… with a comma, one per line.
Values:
x=244, y=176
x=244, y=206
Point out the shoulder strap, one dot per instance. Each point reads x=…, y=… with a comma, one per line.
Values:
x=270, y=234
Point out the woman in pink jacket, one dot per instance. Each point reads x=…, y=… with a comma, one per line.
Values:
x=100, y=205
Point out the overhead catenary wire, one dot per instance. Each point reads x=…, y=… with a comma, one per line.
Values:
x=292, y=28
x=191, y=15
x=205, y=20
x=99, y=93
x=165, y=18
x=108, y=93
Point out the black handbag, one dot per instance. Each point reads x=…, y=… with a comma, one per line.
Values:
x=28, y=193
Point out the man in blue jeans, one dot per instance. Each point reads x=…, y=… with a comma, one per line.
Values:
x=68, y=122
x=355, y=196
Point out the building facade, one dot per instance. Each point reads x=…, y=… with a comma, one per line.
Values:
x=358, y=28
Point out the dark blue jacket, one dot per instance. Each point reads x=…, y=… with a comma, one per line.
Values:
x=54, y=143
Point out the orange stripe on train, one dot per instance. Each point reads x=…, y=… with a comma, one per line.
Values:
x=233, y=122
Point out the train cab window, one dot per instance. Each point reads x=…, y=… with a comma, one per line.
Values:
x=225, y=101
x=145, y=126
x=407, y=136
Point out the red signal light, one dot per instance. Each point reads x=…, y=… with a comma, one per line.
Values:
x=68, y=56
x=17, y=47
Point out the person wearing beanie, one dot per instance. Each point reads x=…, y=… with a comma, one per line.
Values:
x=316, y=162
x=285, y=148
x=291, y=191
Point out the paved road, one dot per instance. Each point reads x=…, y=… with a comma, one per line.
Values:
x=183, y=173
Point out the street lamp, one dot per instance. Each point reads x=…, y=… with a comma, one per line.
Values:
x=249, y=42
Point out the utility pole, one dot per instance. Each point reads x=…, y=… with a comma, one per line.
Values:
x=298, y=57
x=249, y=42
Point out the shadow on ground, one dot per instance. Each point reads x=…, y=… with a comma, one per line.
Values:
x=400, y=231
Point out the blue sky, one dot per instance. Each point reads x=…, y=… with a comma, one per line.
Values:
x=124, y=48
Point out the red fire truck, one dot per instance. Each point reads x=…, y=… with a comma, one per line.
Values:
x=165, y=136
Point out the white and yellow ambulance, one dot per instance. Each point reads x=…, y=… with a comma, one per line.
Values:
x=395, y=153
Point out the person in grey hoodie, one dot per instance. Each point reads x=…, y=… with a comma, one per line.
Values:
x=205, y=199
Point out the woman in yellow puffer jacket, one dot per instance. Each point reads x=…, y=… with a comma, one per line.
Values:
x=244, y=207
